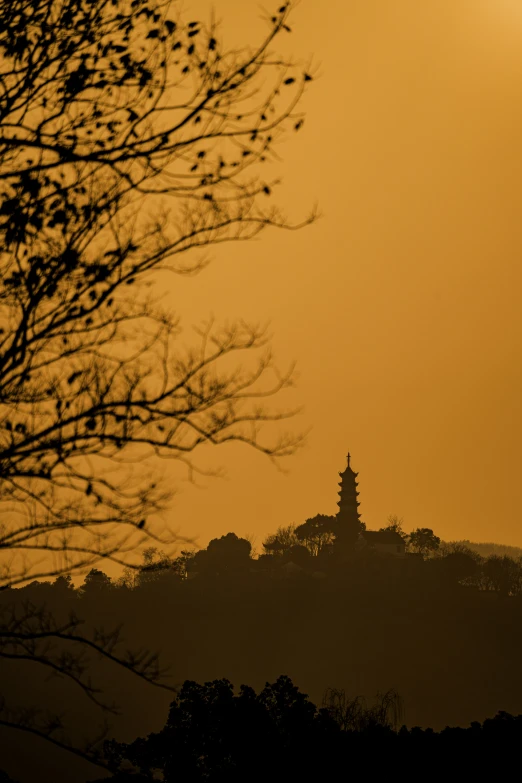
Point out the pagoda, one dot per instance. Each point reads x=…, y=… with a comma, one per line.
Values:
x=348, y=503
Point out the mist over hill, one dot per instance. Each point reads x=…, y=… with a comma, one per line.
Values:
x=487, y=548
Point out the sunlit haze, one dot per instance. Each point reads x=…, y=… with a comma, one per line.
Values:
x=401, y=304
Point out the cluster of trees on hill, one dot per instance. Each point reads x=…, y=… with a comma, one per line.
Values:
x=319, y=546
x=231, y=557
x=325, y=537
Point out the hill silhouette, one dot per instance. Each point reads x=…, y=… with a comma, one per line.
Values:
x=442, y=630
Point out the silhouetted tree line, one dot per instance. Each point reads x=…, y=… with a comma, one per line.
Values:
x=216, y=735
x=302, y=547
x=213, y=734
x=316, y=548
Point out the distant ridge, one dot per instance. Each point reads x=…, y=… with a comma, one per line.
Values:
x=486, y=549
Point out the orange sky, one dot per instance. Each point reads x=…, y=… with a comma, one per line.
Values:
x=402, y=304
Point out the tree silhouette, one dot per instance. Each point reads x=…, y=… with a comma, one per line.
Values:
x=458, y=563
x=213, y=734
x=395, y=525
x=424, y=541
x=58, y=642
x=96, y=580
x=228, y=554
x=503, y=574
x=317, y=533
x=280, y=542
x=217, y=736
x=129, y=137
x=354, y=714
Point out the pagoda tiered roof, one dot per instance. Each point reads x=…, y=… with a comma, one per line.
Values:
x=348, y=503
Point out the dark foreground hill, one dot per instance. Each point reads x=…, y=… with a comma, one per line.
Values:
x=213, y=735
x=452, y=652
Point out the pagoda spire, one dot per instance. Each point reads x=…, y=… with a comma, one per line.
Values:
x=348, y=503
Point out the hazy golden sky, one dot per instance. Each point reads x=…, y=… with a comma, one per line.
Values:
x=402, y=305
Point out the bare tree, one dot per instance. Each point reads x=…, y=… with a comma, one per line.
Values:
x=395, y=525
x=31, y=632
x=353, y=714
x=130, y=138
x=280, y=542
